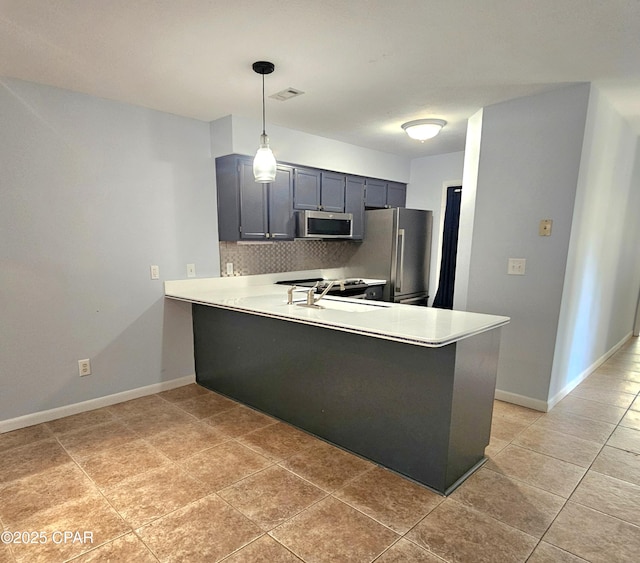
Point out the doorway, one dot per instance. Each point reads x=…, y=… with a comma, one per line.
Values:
x=446, y=282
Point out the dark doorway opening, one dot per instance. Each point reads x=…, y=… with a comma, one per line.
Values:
x=446, y=283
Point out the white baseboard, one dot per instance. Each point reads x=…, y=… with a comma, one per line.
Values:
x=522, y=400
x=586, y=373
x=75, y=408
x=553, y=401
x=546, y=406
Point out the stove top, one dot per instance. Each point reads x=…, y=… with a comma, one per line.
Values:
x=351, y=287
x=323, y=283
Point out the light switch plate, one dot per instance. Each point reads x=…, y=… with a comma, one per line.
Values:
x=516, y=266
x=155, y=272
x=191, y=270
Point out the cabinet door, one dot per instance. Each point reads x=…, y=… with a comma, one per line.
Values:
x=281, y=218
x=332, y=189
x=227, y=174
x=354, y=203
x=254, y=221
x=375, y=194
x=396, y=194
x=306, y=189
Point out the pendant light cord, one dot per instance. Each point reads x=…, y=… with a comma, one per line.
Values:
x=263, y=119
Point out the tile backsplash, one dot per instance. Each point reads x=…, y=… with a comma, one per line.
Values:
x=284, y=256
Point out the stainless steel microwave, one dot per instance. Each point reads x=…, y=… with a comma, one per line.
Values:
x=324, y=224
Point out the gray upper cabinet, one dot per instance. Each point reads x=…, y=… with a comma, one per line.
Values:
x=306, y=189
x=354, y=203
x=332, y=192
x=280, y=197
x=396, y=194
x=251, y=211
x=318, y=190
x=382, y=194
x=375, y=193
x=254, y=215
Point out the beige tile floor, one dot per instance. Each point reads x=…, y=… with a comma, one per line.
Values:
x=188, y=475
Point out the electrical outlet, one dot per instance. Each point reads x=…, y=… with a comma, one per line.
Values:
x=155, y=272
x=229, y=268
x=84, y=367
x=516, y=266
x=191, y=270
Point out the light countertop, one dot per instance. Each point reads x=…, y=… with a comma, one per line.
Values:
x=258, y=295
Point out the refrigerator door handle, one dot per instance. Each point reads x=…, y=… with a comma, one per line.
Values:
x=400, y=262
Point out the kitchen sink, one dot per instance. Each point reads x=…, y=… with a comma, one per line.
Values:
x=351, y=306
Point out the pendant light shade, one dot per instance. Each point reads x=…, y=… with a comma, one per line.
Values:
x=423, y=129
x=264, y=163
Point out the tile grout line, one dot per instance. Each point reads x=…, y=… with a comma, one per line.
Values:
x=328, y=494
x=230, y=438
x=568, y=499
x=509, y=443
x=102, y=494
x=99, y=491
x=400, y=536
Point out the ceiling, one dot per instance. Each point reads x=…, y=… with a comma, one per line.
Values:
x=366, y=66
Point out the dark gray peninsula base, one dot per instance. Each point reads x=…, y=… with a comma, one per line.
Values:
x=421, y=411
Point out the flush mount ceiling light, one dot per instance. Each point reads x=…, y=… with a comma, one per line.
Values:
x=264, y=163
x=423, y=129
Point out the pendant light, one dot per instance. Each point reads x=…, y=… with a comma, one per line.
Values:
x=423, y=129
x=264, y=163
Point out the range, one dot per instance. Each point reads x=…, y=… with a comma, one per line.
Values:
x=352, y=287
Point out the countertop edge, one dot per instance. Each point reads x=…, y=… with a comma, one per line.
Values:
x=333, y=325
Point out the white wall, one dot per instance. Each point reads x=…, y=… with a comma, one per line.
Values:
x=471, y=165
x=602, y=279
x=305, y=149
x=528, y=170
x=92, y=193
x=427, y=190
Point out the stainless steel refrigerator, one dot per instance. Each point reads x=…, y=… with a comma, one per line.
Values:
x=397, y=248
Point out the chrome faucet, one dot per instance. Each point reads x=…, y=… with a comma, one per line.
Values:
x=312, y=300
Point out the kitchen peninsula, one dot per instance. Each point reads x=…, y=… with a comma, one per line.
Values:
x=408, y=387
